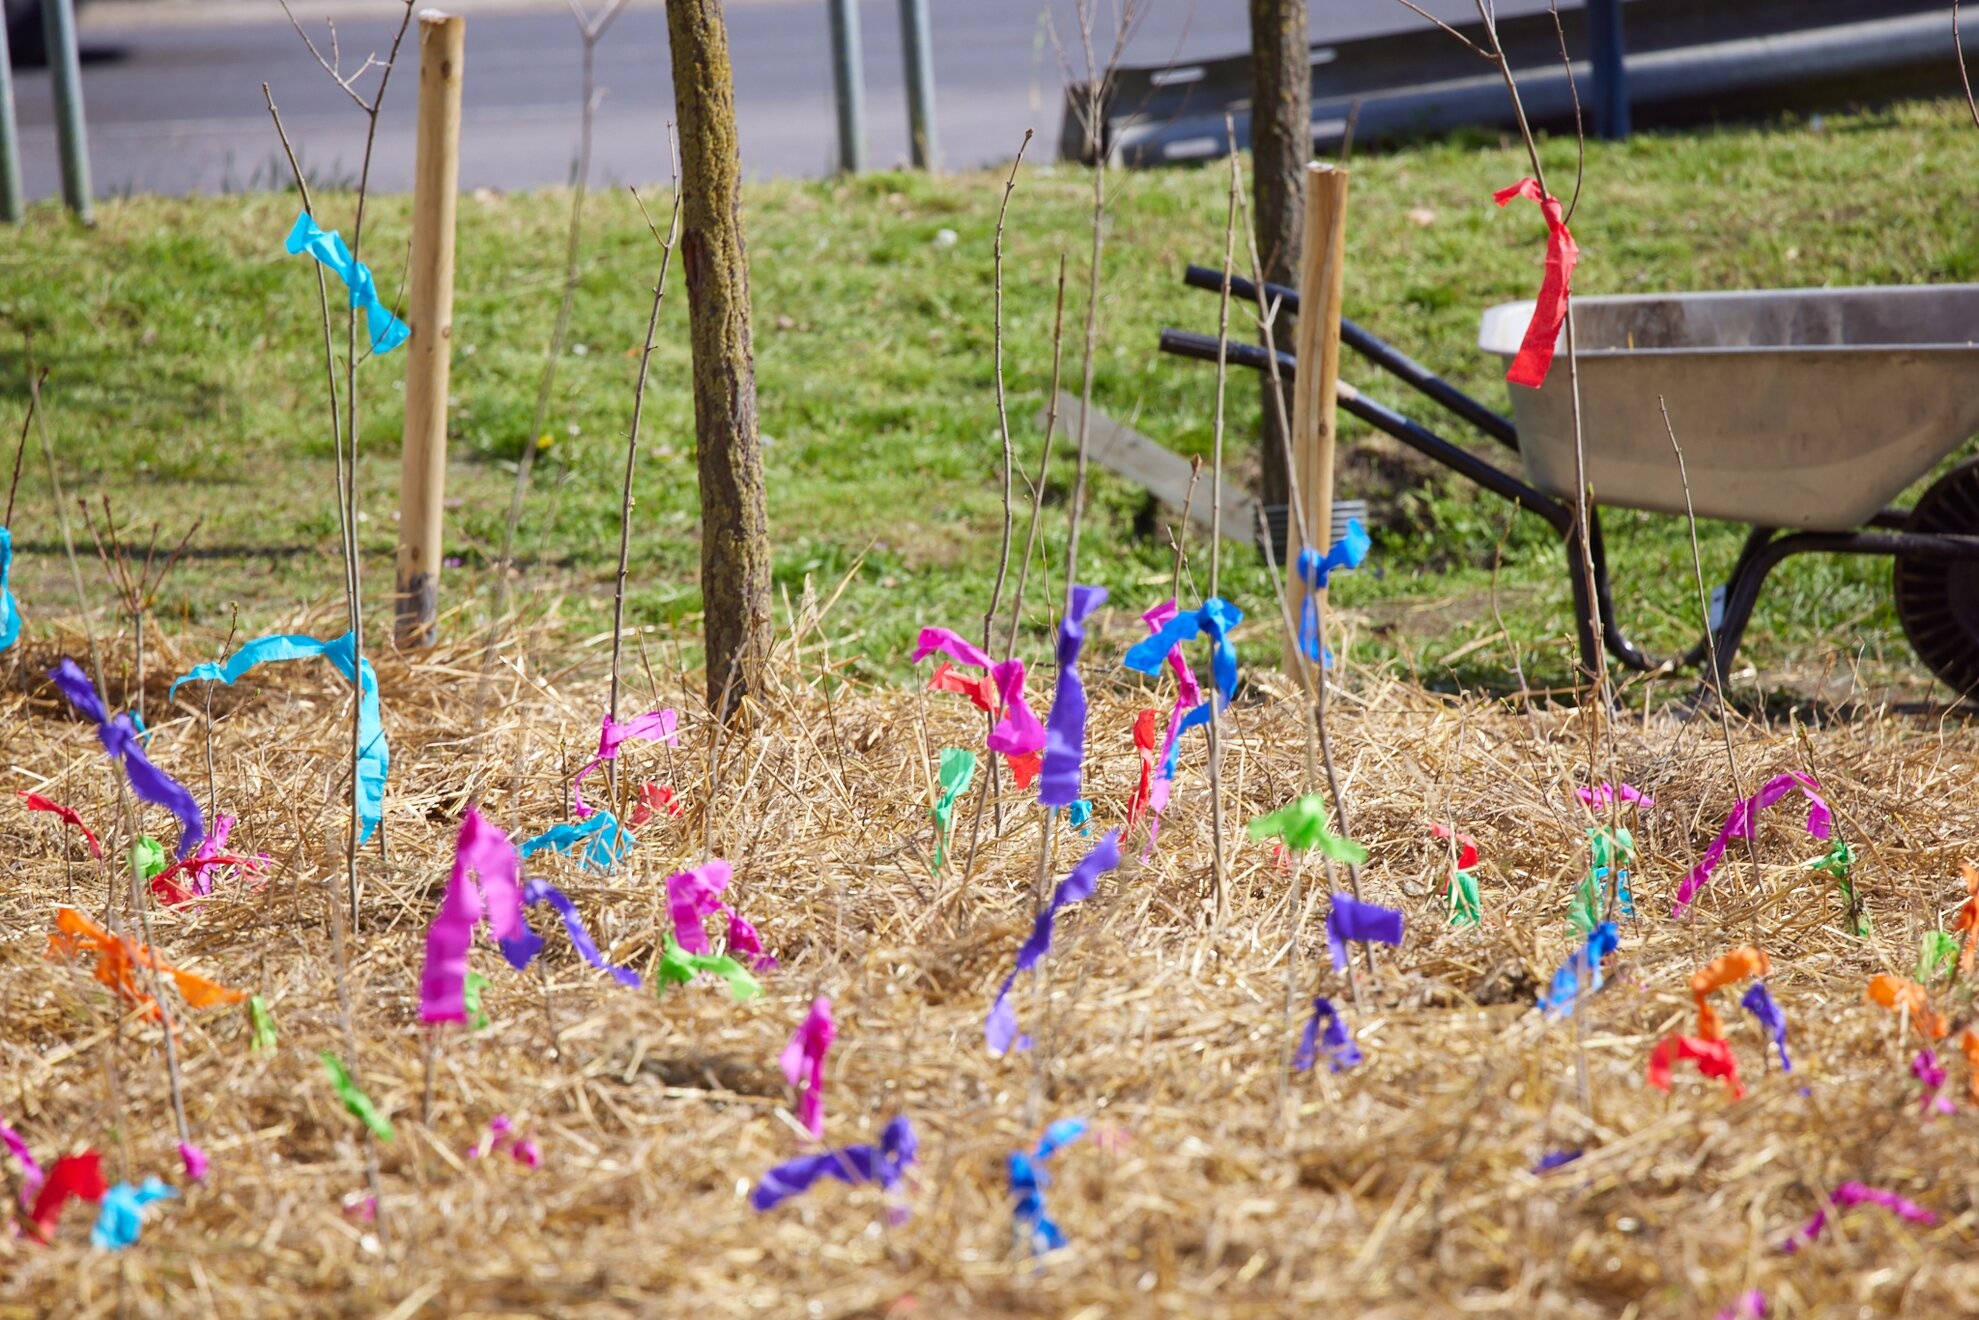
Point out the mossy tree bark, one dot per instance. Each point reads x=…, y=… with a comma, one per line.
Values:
x=735, y=550
x=1281, y=144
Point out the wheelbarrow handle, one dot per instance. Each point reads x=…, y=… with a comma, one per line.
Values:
x=1382, y=354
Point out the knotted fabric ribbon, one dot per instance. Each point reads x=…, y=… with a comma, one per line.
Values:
x=374, y=759
x=1535, y=354
x=327, y=246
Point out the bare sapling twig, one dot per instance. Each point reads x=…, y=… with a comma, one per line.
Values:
x=638, y=411
x=1002, y=410
x=1044, y=468
x=137, y=588
x=1714, y=681
x=1964, y=78
x=589, y=30
x=347, y=440
x=128, y=818
x=212, y=790
x=1218, y=879
x=20, y=453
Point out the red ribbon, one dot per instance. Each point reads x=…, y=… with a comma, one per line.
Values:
x=1714, y=1058
x=73, y=1175
x=1536, y=351
x=36, y=802
x=1144, y=742
x=980, y=690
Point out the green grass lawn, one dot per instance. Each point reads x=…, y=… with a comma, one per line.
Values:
x=186, y=379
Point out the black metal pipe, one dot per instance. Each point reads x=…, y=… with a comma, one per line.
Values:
x=1381, y=353
x=1189, y=344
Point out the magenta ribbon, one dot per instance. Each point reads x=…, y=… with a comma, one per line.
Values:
x=695, y=895
x=1019, y=732
x=1851, y=1194
x=803, y=1063
x=1739, y=824
x=485, y=851
x=661, y=726
x=31, y=1175
x=951, y=644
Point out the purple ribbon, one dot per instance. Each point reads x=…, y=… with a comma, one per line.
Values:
x=1758, y=1001
x=660, y=726
x=120, y=740
x=1341, y=1052
x=1000, y=1031
x=521, y=948
x=485, y=851
x=1739, y=824
x=885, y=1164
x=1366, y=923
x=1065, y=727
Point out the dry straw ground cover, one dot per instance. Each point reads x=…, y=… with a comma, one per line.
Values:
x=1401, y=1187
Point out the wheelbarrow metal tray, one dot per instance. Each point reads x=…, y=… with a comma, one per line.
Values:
x=1804, y=408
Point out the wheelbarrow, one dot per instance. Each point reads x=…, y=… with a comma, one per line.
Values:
x=1801, y=412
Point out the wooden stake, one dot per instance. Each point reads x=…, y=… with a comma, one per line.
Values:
x=430, y=314
x=1322, y=272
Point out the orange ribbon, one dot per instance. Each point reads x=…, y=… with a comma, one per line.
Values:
x=117, y=961
x=1968, y=1043
x=1967, y=921
x=1734, y=966
x=1896, y=994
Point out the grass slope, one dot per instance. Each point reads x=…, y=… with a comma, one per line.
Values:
x=186, y=378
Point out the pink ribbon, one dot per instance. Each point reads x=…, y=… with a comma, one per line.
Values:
x=660, y=726
x=1738, y=825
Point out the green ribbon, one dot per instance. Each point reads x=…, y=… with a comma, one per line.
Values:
x=358, y=1103
x=470, y=998
x=1836, y=862
x=1935, y=955
x=1466, y=908
x=1610, y=852
x=261, y=1024
x=148, y=857
x=958, y=768
x=678, y=967
x=1301, y=823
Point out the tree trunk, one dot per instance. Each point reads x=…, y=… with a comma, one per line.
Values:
x=1281, y=144
x=735, y=551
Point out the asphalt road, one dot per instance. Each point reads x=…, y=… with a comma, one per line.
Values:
x=173, y=90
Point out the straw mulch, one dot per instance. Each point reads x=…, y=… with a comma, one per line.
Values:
x=1401, y=1188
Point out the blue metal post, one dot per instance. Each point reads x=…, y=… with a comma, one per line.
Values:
x=848, y=85
x=1611, y=83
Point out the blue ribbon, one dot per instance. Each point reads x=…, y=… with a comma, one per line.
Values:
x=1315, y=570
x=1214, y=620
x=121, y=1219
x=1559, y=999
x=605, y=840
x=374, y=759
x=10, y=618
x=327, y=246
x=1029, y=1178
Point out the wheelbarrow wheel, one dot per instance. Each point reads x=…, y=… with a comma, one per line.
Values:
x=1938, y=599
